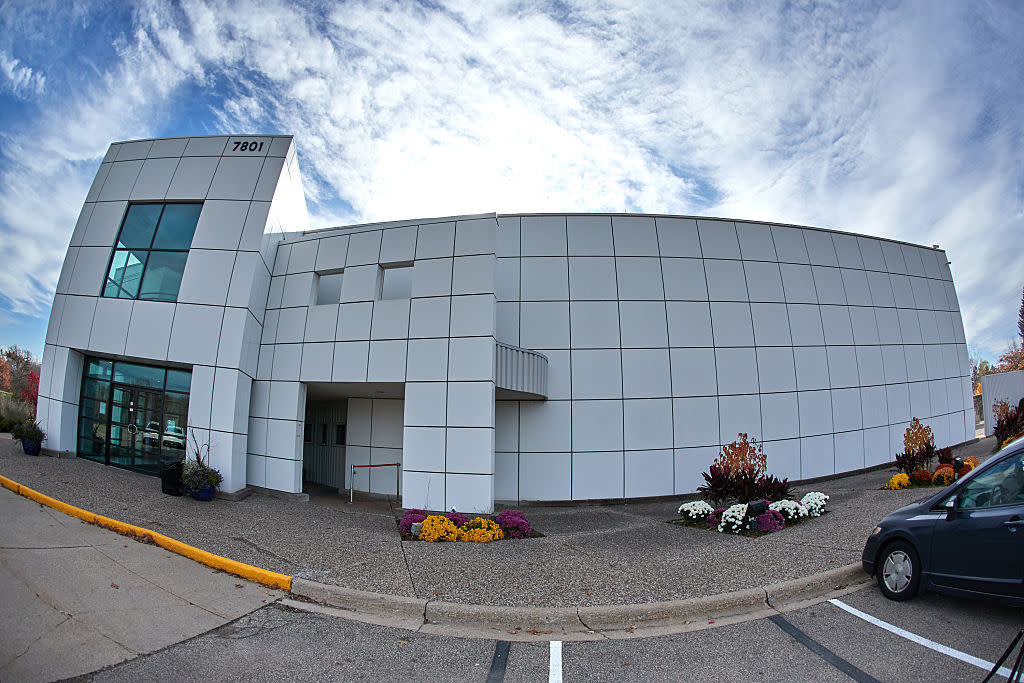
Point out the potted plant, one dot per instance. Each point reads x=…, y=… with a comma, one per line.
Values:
x=199, y=479
x=31, y=435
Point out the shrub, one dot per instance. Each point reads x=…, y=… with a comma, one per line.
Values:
x=714, y=517
x=196, y=476
x=916, y=436
x=908, y=462
x=438, y=528
x=738, y=474
x=743, y=453
x=898, y=481
x=458, y=519
x=770, y=521
x=480, y=530
x=945, y=456
x=719, y=484
x=1009, y=422
x=745, y=484
x=514, y=524
x=409, y=518
x=14, y=409
x=695, y=510
x=28, y=429
x=943, y=476
x=734, y=519
x=789, y=509
x=815, y=503
x=926, y=454
x=197, y=473
x=772, y=488
x=921, y=478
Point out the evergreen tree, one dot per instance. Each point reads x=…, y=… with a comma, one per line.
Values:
x=1020, y=316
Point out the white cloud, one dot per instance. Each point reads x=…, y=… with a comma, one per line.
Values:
x=889, y=122
x=20, y=79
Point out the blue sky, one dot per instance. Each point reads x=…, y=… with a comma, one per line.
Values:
x=900, y=120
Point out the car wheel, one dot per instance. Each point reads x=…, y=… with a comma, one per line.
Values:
x=899, y=571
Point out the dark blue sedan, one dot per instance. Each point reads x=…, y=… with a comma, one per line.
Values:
x=967, y=539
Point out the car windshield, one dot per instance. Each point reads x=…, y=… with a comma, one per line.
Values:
x=1001, y=484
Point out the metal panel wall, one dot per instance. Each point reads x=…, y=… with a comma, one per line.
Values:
x=1008, y=386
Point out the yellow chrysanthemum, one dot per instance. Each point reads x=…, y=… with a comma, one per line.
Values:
x=898, y=481
x=481, y=530
x=438, y=528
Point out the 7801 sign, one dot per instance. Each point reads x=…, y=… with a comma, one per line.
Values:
x=248, y=146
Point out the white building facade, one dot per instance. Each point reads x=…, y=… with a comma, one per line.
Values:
x=479, y=358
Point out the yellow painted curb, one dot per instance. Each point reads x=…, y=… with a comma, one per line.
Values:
x=246, y=571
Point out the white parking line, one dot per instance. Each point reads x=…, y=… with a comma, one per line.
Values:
x=555, y=665
x=920, y=640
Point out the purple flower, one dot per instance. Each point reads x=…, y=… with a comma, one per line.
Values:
x=715, y=517
x=514, y=524
x=409, y=518
x=770, y=521
x=457, y=518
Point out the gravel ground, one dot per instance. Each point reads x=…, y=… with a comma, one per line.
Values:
x=590, y=555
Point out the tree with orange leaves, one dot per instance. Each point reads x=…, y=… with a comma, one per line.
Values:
x=743, y=453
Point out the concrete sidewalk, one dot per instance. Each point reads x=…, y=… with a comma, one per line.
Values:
x=77, y=598
x=618, y=554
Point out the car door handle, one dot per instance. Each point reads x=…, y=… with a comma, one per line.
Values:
x=1014, y=522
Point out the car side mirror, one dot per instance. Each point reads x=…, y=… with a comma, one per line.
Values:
x=951, y=506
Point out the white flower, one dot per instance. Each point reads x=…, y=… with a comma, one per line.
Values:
x=695, y=510
x=815, y=503
x=734, y=519
x=790, y=509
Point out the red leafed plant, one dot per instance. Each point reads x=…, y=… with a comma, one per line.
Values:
x=31, y=392
x=921, y=478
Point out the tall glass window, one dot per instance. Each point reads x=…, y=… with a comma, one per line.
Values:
x=149, y=256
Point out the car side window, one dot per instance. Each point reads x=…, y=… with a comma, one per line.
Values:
x=1001, y=485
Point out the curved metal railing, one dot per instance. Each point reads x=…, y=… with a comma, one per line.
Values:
x=521, y=370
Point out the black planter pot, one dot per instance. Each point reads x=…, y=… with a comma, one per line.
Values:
x=170, y=476
x=31, y=447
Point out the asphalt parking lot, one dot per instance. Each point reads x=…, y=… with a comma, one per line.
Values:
x=830, y=644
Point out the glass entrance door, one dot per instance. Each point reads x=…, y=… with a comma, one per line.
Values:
x=136, y=425
x=131, y=415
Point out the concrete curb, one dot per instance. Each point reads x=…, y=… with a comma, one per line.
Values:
x=578, y=623
x=246, y=571
x=504, y=622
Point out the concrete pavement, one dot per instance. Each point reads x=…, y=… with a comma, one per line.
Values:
x=591, y=560
x=77, y=598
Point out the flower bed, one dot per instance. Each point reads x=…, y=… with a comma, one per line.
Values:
x=739, y=474
x=739, y=519
x=913, y=463
x=455, y=526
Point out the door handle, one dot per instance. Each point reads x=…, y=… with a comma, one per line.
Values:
x=1014, y=522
